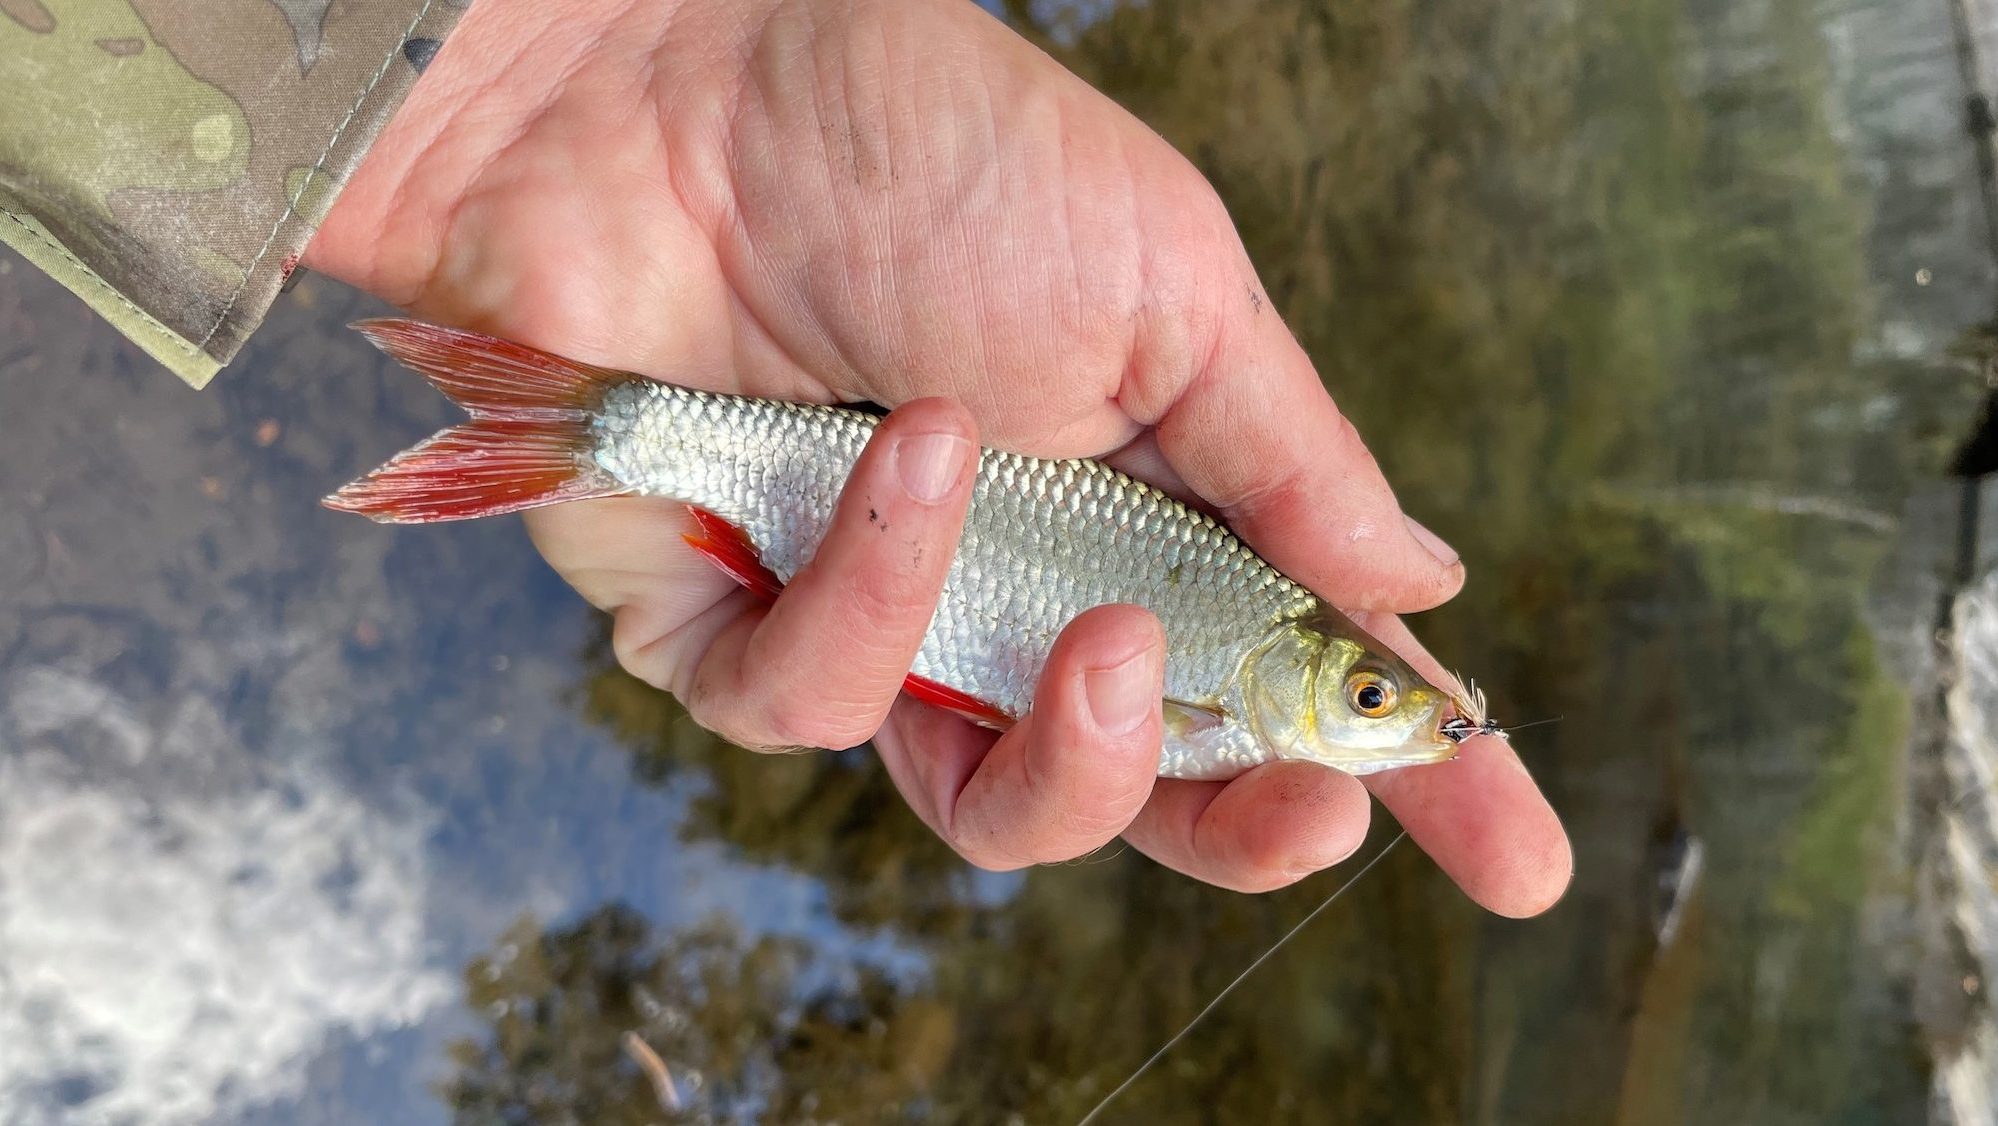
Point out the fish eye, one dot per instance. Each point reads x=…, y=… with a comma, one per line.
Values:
x=1371, y=694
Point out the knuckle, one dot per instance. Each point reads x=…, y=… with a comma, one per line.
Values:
x=788, y=699
x=644, y=650
x=1346, y=448
x=980, y=851
x=983, y=844
x=1091, y=824
x=1064, y=833
x=789, y=720
x=717, y=712
x=749, y=715
x=890, y=596
x=1346, y=441
x=986, y=861
x=1085, y=798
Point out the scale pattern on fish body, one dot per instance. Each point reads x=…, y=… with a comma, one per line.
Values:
x=1044, y=540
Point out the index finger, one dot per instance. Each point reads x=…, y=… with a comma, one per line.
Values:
x=1480, y=816
x=1243, y=419
x=1312, y=500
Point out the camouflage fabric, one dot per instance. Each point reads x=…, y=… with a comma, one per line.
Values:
x=168, y=159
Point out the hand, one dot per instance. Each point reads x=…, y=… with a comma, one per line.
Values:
x=908, y=204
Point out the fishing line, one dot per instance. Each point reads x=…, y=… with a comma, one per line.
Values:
x=1240, y=978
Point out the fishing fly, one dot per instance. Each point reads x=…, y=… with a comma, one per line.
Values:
x=1473, y=716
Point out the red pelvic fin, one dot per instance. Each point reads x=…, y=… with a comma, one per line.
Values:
x=1185, y=718
x=481, y=468
x=729, y=549
x=952, y=700
x=490, y=377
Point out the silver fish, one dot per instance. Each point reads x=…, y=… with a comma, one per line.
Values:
x=1257, y=667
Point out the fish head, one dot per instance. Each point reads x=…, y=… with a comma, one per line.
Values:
x=1323, y=690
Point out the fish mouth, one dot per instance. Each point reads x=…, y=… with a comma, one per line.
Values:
x=1443, y=740
x=1432, y=741
x=1417, y=751
x=1428, y=744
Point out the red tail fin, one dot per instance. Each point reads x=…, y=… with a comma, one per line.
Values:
x=490, y=377
x=528, y=444
x=482, y=468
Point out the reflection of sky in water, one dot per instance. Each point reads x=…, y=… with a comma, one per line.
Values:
x=277, y=906
x=264, y=793
x=184, y=923
x=1064, y=19
x=1067, y=19
x=282, y=912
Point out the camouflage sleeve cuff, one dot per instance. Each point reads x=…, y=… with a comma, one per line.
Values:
x=168, y=161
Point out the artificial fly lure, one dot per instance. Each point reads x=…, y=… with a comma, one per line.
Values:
x=1472, y=718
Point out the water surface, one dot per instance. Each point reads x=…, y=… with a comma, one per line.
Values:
x=1670, y=315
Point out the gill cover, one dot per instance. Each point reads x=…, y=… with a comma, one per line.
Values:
x=1322, y=689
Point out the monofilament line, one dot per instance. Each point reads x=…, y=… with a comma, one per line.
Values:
x=1242, y=977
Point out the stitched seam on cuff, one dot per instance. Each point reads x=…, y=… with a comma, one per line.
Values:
x=190, y=348
x=305, y=183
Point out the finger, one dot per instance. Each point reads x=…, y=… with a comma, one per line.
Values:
x=1313, y=500
x=1266, y=829
x=1141, y=458
x=1071, y=776
x=628, y=552
x=1213, y=367
x=1146, y=460
x=823, y=664
x=1479, y=815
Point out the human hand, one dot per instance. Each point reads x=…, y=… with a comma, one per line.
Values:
x=907, y=204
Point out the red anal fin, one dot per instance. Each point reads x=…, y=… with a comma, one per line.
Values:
x=490, y=377
x=728, y=548
x=480, y=468
x=952, y=700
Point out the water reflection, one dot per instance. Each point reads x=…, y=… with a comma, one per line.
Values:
x=1672, y=315
x=282, y=907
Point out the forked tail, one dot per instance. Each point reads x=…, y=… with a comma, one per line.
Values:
x=528, y=443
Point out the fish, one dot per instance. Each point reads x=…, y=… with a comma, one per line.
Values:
x=1258, y=668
